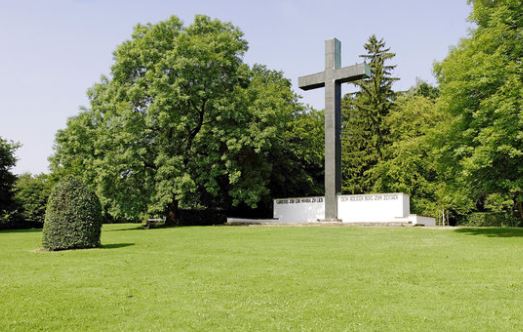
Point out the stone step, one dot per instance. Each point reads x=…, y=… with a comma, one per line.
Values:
x=247, y=221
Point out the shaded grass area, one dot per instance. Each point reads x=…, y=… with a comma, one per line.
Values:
x=266, y=279
x=492, y=231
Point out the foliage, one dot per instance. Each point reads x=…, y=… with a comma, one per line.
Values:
x=481, y=84
x=73, y=218
x=182, y=122
x=298, y=162
x=31, y=194
x=364, y=133
x=409, y=166
x=497, y=219
x=426, y=90
x=7, y=180
x=237, y=279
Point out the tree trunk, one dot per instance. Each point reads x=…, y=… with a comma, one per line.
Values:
x=171, y=215
x=520, y=208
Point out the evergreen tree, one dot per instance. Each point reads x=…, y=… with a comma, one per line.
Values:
x=364, y=132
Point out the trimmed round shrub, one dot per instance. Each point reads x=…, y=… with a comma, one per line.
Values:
x=73, y=218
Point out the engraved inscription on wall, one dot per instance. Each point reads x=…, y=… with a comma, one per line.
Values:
x=372, y=197
x=344, y=198
x=299, y=200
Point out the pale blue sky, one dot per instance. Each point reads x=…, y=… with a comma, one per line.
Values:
x=52, y=51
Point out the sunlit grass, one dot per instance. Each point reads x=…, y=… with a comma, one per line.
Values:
x=266, y=279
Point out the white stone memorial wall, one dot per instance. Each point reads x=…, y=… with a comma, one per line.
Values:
x=370, y=208
x=301, y=209
x=373, y=207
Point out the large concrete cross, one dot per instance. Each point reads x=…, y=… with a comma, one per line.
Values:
x=331, y=78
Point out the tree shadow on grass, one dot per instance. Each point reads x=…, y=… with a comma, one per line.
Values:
x=116, y=245
x=20, y=230
x=492, y=231
x=138, y=227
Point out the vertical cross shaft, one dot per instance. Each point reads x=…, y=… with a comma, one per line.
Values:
x=331, y=78
x=332, y=129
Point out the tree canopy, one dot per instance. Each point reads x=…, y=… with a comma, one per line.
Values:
x=182, y=121
x=409, y=165
x=481, y=82
x=456, y=147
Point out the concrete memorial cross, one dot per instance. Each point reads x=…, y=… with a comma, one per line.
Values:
x=331, y=78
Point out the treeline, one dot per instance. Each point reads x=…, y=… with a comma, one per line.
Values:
x=23, y=198
x=182, y=123
x=456, y=148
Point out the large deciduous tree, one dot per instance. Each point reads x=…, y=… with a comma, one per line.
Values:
x=364, y=133
x=410, y=165
x=181, y=121
x=481, y=83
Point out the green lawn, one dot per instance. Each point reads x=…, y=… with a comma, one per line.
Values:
x=266, y=279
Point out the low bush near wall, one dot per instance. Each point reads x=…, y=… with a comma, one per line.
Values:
x=491, y=219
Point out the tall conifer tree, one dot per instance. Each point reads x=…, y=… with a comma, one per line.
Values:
x=364, y=132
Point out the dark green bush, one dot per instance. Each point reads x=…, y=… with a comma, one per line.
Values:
x=497, y=219
x=73, y=218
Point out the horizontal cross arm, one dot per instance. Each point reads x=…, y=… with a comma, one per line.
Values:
x=312, y=81
x=352, y=73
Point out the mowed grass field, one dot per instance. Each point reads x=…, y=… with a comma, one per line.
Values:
x=266, y=279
